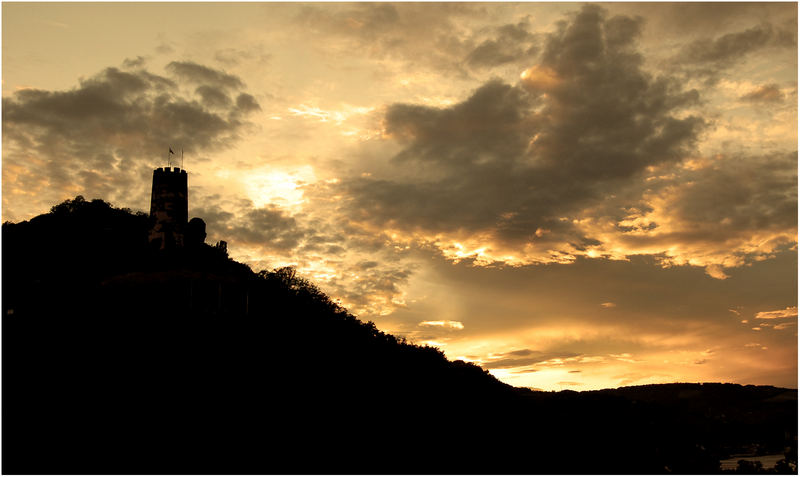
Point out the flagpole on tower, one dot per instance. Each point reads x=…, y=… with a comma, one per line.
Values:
x=181, y=158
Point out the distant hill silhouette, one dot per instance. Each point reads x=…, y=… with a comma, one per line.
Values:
x=122, y=359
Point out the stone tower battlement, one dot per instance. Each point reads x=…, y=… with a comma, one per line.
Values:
x=169, y=208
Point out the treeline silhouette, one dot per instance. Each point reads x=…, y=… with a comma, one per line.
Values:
x=119, y=359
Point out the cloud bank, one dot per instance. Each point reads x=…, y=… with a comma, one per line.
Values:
x=589, y=154
x=105, y=135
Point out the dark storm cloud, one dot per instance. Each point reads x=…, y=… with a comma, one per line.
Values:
x=137, y=62
x=709, y=57
x=117, y=123
x=194, y=73
x=488, y=126
x=769, y=93
x=117, y=105
x=270, y=229
x=690, y=19
x=212, y=97
x=213, y=215
x=102, y=98
x=246, y=103
x=735, y=198
x=269, y=226
x=322, y=243
x=510, y=43
x=510, y=360
x=732, y=46
x=370, y=290
x=521, y=352
x=423, y=34
x=432, y=35
x=514, y=159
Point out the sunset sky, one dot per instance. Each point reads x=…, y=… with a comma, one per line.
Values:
x=573, y=196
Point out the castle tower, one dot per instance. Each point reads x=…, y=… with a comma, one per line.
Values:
x=169, y=208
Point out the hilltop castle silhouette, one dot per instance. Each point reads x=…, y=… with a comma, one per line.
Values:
x=169, y=210
x=169, y=207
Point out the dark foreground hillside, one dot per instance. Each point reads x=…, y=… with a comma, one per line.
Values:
x=117, y=359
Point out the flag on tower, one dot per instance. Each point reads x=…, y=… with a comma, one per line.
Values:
x=170, y=151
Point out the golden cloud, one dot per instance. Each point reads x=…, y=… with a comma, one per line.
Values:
x=540, y=78
x=788, y=312
x=457, y=325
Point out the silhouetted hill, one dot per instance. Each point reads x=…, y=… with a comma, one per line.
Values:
x=120, y=359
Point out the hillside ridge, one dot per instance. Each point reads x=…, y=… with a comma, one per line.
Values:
x=121, y=359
